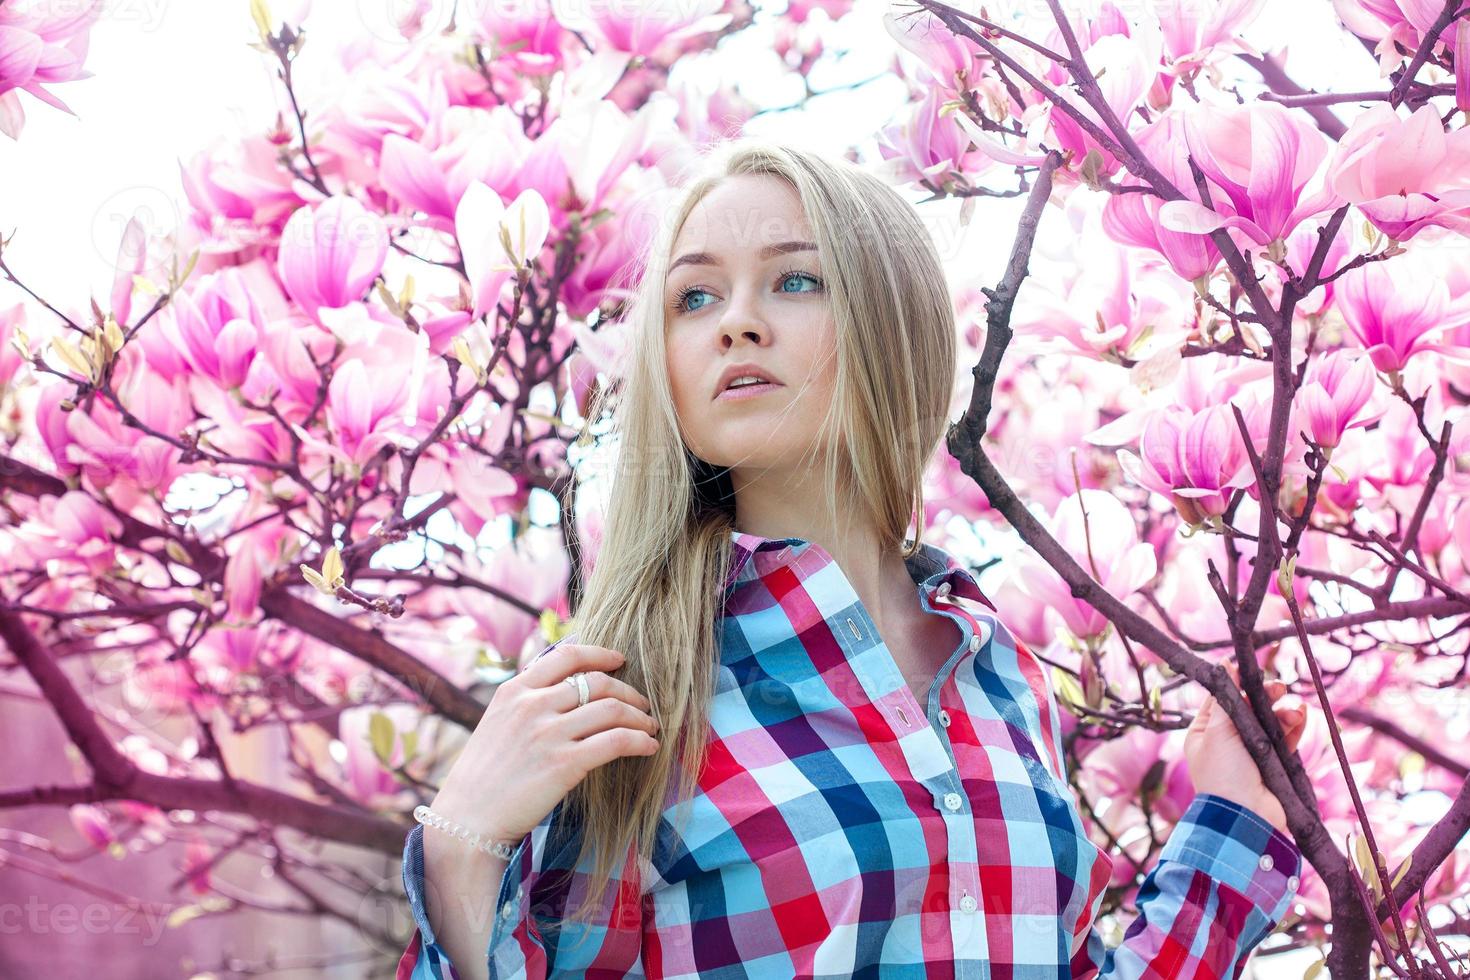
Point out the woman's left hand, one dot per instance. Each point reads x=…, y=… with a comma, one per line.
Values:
x=1219, y=762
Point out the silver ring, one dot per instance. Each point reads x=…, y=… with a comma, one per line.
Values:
x=580, y=680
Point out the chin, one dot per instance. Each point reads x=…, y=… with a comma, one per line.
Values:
x=757, y=454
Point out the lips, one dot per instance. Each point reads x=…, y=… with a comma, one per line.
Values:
x=742, y=370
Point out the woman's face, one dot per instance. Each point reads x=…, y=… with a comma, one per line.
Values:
x=745, y=288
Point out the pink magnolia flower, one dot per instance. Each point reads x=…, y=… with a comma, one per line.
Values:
x=948, y=491
x=93, y=823
x=1105, y=543
x=1403, y=459
x=800, y=10
x=132, y=256
x=286, y=372
x=330, y=253
x=1195, y=459
x=1125, y=68
x=108, y=452
x=1261, y=156
x=596, y=143
x=230, y=660
x=1462, y=64
x=1401, y=25
x=217, y=326
x=73, y=528
x=416, y=175
x=1121, y=769
x=1336, y=387
x=431, y=171
x=242, y=583
x=1197, y=33
x=12, y=322
x=494, y=239
x=385, y=100
x=927, y=148
x=602, y=275
x=1136, y=219
x=362, y=408
x=1396, y=310
x=1404, y=174
x=535, y=571
x=198, y=864
x=1109, y=302
x=646, y=28
x=1301, y=245
x=41, y=43
x=531, y=39
x=943, y=54
x=485, y=491
x=1375, y=18
x=239, y=198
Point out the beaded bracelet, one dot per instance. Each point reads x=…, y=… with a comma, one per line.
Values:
x=429, y=818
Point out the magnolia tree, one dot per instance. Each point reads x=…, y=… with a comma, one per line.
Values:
x=284, y=475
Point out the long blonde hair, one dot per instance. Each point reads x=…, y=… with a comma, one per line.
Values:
x=656, y=587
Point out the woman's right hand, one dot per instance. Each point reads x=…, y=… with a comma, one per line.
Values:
x=534, y=744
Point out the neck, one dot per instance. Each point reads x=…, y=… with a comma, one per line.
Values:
x=777, y=504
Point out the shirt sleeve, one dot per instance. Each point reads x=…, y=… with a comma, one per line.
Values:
x=1223, y=880
x=531, y=938
x=543, y=881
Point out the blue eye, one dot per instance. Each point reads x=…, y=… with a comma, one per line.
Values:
x=679, y=305
x=684, y=294
x=797, y=274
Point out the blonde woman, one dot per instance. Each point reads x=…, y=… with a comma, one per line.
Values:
x=855, y=768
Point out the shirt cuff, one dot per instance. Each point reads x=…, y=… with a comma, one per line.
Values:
x=1239, y=848
x=413, y=881
x=512, y=902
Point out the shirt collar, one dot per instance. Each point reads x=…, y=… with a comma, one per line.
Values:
x=930, y=567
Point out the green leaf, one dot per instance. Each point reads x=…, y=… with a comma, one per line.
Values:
x=1069, y=691
x=381, y=734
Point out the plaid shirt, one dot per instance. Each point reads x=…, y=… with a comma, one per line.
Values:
x=842, y=828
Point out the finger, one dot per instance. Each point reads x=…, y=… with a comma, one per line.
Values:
x=611, y=743
x=1290, y=700
x=1233, y=671
x=556, y=665
x=599, y=686
x=1294, y=739
x=1293, y=724
x=1219, y=717
x=605, y=713
x=1275, y=690
x=1203, y=715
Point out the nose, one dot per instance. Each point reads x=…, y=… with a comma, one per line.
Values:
x=742, y=321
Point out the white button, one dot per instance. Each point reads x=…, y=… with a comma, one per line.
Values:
x=967, y=903
x=1267, y=862
x=508, y=909
x=944, y=717
x=952, y=800
x=975, y=643
x=1293, y=881
x=944, y=588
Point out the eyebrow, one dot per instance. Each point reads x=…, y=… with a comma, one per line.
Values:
x=779, y=248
